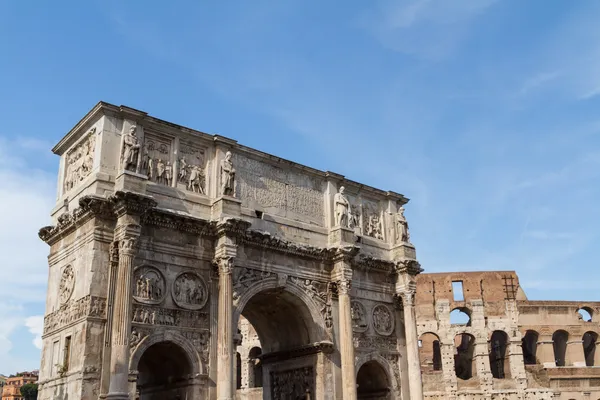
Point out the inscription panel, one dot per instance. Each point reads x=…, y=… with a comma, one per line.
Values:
x=278, y=191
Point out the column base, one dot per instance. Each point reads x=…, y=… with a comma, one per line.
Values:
x=117, y=396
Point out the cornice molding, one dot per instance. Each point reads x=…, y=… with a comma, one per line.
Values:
x=125, y=202
x=89, y=207
x=410, y=267
x=371, y=263
x=184, y=223
x=267, y=241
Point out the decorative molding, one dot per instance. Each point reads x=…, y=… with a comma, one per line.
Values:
x=302, y=351
x=169, y=220
x=411, y=267
x=126, y=202
x=267, y=241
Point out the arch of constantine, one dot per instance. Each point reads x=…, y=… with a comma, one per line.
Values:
x=185, y=265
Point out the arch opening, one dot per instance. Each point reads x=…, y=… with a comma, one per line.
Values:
x=464, y=364
x=255, y=371
x=559, y=344
x=460, y=316
x=282, y=322
x=589, y=347
x=372, y=382
x=585, y=314
x=430, y=353
x=529, y=345
x=164, y=371
x=499, y=361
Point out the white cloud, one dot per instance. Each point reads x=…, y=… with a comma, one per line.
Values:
x=428, y=28
x=27, y=196
x=36, y=327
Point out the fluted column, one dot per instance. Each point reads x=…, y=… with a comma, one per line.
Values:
x=406, y=288
x=346, y=340
x=121, y=326
x=110, y=299
x=225, y=357
x=412, y=346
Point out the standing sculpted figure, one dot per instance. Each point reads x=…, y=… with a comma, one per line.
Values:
x=402, y=234
x=160, y=171
x=131, y=149
x=227, y=176
x=341, y=205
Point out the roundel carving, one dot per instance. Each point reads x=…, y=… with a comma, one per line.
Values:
x=150, y=285
x=189, y=291
x=359, y=316
x=67, y=284
x=383, y=320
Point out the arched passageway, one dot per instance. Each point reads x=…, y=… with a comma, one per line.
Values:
x=286, y=327
x=430, y=354
x=559, y=344
x=499, y=360
x=589, y=347
x=529, y=345
x=464, y=364
x=372, y=382
x=164, y=372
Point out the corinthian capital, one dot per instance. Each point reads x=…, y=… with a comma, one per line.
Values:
x=344, y=286
x=128, y=245
x=225, y=265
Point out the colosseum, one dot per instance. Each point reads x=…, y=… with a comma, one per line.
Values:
x=184, y=265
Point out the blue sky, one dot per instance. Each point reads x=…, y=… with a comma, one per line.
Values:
x=483, y=112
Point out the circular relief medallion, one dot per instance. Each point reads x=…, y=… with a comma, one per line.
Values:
x=359, y=316
x=67, y=283
x=189, y=291
x=383, y=320
x=150, y=285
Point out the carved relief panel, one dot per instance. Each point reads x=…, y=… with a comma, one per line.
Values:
x=359, y=317
x=383, y=320
x=277, y=190
x=192, y=168
x=67, y=284
x=189, y=291
x=150, y=285
x=154, y=315
x=243, y=278
x=293, y=384
x=156, y=159
x=79, y=161
x=372, y=220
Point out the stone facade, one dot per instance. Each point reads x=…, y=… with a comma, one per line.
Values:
x=164, y=238
x=185, y=265
x=505, y=347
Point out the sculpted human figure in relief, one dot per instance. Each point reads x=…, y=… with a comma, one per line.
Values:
x=341, y=205
x=227, y=176
x=402, y=234
x=131, y=149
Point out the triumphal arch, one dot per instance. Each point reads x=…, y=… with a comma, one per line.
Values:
x=169, y=245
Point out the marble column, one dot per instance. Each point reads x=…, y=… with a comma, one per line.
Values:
x=346, y=340
x=412, y=345
x=225, y=354
x=110, y=298
x=121, y=326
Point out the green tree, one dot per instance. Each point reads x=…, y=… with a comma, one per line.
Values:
x=29, y=391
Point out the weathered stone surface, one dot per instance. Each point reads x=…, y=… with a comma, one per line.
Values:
x=167, y=241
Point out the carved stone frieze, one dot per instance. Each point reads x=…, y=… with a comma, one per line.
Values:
x=191, y=174
x=79, y=161
x=372, y=223
x=189, y=291
x=267, y=241
x=278, y=190
x=153, y=315
x=124, y=202
x=73, y=311
x=315, y=289
x=244, y=277
x=67, y=284
x=293, y=384
x=136, y=336
x=383, y=343
x=168, y=220
x=383, y=320
x=394, y=361
x=359, y=316
x=156, y=160
x=149, y=284
x=200, y=342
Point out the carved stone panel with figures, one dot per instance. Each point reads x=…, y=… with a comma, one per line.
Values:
x=190, y=291
x=383, y=320
x=293, y=384
x=79, y=161
x=150, y=285
x=191, y=173
x=67, y=284
x=372, y=220
x=156, y=159
x=278, y=191
x=359, y=316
